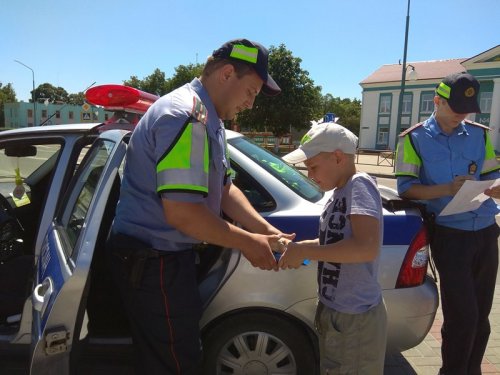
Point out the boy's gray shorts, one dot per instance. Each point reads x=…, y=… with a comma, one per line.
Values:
x=352, y=343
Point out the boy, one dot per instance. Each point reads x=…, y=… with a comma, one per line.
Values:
x=350, y=317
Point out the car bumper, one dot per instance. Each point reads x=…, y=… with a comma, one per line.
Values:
x=411, y=314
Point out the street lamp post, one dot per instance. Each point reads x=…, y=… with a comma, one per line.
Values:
x=403, y=78
x=33, y=92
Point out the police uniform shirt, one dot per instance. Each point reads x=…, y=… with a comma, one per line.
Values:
x=442, y=157
x=140, y=210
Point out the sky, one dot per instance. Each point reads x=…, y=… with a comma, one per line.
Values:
x=74, y=43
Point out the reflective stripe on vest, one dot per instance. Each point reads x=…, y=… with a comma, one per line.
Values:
x=408, y=162
x=185, y=166
x=490, y=159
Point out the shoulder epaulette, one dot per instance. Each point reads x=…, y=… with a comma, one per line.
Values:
x=469, y=122
x=199, y=111
x=410, y=129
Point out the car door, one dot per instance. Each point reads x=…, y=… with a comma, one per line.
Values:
x=63, y=266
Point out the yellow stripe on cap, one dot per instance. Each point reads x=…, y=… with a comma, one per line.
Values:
x=244, y=53
x=444, y=90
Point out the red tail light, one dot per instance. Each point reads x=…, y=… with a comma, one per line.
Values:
x=120, y=98
x=414, y=267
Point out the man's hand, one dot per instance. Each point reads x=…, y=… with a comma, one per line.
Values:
x=287, y=237
x=457, y=183
x=259, y=251
x=494, y=192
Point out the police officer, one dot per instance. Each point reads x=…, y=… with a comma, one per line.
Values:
x=434, y=159
x=176, y=184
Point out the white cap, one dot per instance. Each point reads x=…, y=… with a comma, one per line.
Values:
x=323, y=137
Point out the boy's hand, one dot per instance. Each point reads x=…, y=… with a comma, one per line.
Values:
x=291, y=258
x=279, y=245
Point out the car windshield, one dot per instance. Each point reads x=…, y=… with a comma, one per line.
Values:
x=288, y=175
x=20, y=162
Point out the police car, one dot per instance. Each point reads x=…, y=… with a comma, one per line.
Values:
x=58, y=311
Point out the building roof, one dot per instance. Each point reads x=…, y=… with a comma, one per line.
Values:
x=491, y=55
x=424, y=69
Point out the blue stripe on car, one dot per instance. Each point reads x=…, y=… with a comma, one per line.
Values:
x=398, y=229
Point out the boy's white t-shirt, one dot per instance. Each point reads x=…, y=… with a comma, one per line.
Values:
x=349, y=287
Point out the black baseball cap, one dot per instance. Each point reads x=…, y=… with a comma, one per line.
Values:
x=460, y=90
x=253, y=54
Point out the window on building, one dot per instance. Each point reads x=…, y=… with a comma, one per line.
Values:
x=407, y=103
x=485, y=99
x=71, y=115
x=385, y=103
x=58, y=114
x=427, y=102
x=44, y=113
x=30, y=113
x=383, y=136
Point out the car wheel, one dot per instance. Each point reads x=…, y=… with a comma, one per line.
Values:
x=258, y=344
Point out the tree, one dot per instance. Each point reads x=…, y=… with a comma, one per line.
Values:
x=184, y=74
x=348, y=111
x=76, y=99
x=155, y=83
x=133, y=82
x=7, y=95
x=52, y=93
x=299, y=101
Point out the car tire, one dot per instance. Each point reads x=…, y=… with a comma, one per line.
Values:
x=258, y=343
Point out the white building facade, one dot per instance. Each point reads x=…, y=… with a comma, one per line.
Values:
x=379, y=128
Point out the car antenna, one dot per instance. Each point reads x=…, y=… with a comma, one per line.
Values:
x=64, y=105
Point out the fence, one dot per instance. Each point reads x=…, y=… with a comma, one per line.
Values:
x=384, y=157
x=268, y=141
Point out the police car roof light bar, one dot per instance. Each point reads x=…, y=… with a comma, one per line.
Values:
x=120, y=98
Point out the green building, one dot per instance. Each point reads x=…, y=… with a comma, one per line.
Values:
x=22, y=114
x=379, y=126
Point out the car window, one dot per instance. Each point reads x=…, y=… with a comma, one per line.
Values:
x=288, y=175
x=260, y=199
x=82, y=192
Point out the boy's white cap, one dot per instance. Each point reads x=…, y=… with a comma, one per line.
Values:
x=323, y=137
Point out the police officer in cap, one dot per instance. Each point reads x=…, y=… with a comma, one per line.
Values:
x=434, y=159
x=176, y=185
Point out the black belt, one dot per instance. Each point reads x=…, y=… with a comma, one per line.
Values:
x=127, y=242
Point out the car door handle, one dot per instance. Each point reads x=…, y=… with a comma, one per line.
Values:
x=41, y=294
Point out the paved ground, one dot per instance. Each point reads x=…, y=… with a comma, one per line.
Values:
x=425, y=359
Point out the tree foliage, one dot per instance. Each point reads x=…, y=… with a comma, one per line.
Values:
x=76, y=99
x=348, y=111
x=155, y=83
x=298, y=103
x=184, y=74
x=7, y=95
x=53, y=94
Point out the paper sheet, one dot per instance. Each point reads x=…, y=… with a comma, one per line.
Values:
x=469, y=197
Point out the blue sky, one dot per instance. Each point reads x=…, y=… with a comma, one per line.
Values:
x=73, y=43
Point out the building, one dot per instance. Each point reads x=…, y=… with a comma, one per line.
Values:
x=381, y=90
x=20, y=114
